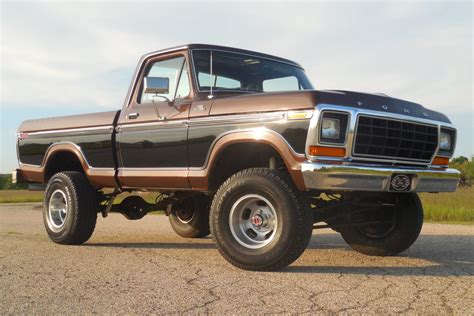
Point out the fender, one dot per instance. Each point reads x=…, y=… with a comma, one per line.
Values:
x=97, y=176
x=199, y=177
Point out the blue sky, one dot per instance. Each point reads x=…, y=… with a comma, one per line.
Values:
x=69, y=58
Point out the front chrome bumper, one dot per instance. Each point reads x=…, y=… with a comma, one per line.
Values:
x=356, y=177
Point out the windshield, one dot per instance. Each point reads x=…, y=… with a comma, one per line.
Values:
x=244, y=73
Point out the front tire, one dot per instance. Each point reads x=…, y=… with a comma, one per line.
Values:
x=69, y=208
x=393, y=238
x=260, y=221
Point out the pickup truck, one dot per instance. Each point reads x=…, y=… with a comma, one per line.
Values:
x=239, y=144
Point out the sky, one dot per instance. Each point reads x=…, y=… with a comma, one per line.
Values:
x=61, y=58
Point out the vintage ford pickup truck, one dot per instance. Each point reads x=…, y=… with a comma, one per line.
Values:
x=239, y=144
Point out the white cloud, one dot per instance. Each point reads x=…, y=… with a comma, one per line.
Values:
x=84, y=53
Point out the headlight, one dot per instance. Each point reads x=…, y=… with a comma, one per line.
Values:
x=445, y=141
x=331, y=128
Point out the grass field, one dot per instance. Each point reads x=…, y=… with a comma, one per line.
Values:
x=442, y=207
x=449, y=207
x=20, y=196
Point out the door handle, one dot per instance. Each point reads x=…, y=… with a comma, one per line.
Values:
x=132, y=116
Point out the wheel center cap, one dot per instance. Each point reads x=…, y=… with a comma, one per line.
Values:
x=257, y=220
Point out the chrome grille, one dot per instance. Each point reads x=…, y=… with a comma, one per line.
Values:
x=394, y=139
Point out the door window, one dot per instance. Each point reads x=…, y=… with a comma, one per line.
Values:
x=176, y=71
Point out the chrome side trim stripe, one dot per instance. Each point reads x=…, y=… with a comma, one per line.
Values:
x=150, y=169
x=210, y=120
x=215, y=120
x=74, y=131
x=152, y=125
x=239, y=118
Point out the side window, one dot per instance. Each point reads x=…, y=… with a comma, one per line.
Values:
x=281, y=84
x=171, y=69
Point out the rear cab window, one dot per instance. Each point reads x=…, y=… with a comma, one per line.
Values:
x=281, y=84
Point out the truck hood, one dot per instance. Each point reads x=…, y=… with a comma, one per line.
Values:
x=307, y=99
x=69, y=122
x=378, y=102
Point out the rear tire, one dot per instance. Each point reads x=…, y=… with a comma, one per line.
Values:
x=260, y=221
x=389, y=240
x=190, y=218
x=69, y=208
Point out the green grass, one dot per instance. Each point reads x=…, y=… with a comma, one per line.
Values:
x=449, y=207
x=457, y=207
x=20, y=196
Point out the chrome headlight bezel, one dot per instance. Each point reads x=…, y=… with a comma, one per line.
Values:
x=447, y=141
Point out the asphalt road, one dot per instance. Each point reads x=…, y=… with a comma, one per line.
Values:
x=143, y=267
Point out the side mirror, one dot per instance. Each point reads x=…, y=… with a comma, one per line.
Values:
x=157, y=85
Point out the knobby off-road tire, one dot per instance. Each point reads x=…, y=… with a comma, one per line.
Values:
x=260, y=221
x=190, y=218
x=69, y=208
x=408, y=221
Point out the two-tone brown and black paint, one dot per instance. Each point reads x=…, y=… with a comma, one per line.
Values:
x=160, y=145
x=179, y=150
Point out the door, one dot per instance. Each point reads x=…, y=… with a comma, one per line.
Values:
x=152, y=131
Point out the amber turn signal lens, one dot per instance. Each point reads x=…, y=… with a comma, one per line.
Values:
x=327, y=151
x=441, y=161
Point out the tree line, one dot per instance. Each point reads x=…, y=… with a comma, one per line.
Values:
x=467, y=169
x=6, y=183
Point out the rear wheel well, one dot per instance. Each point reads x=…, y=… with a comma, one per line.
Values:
x=237, y=157
x=62, y=161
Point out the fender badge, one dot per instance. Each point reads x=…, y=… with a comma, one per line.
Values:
x=200, y=107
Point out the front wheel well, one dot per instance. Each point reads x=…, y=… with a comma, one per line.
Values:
x=62, y=161
x=238, y=157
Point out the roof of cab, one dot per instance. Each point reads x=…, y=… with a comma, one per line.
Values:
x=221, y=48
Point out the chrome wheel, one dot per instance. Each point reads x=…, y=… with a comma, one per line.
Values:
x=253, y=221
x=57, y=210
